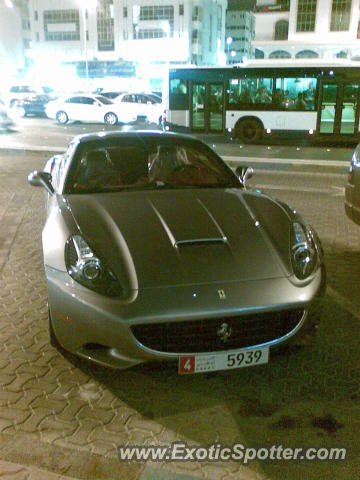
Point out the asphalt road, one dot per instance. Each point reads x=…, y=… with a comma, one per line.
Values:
x=64, y=416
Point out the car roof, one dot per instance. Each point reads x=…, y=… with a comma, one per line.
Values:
x=90, y=137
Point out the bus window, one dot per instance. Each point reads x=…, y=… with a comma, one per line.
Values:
x=250, y=93
x=295, y=94
x=179, y=94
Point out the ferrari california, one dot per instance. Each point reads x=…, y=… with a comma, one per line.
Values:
x=156, y=250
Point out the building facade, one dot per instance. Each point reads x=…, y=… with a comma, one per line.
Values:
x=14, y=36
x=131, y=30
x=240, y=30
x=307, y=29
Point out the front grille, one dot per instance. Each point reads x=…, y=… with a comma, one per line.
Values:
x=202, y=335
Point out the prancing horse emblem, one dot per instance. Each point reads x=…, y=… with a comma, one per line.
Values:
x=222, y=294
x=224, y=332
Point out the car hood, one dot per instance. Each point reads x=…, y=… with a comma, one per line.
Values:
x=183, y=237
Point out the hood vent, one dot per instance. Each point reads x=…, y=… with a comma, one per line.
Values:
x=201, y=241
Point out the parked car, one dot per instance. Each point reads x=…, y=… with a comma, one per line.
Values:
x=111, y=94
x=352, y=189
x=88, y=108
x=16, y=93
x=34, y=105
x=155, y=250
x=143, y=105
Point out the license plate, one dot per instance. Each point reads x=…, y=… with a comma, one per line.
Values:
x=189, y=364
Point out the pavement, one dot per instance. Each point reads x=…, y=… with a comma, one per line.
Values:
x=61, y=417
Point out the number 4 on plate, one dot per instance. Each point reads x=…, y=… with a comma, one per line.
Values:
x=186, y=365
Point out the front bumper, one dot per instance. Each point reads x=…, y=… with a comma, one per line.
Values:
x=99, y=329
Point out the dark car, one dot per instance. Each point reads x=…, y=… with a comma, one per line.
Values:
x=352, y=190
x=155, y=250
x=34, y=105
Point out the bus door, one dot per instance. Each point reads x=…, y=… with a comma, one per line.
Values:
x=207, y=107
x=338, y=113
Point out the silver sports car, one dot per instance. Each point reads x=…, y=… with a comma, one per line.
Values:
x=155, y=250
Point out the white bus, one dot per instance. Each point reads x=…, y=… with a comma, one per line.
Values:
x=260, y=98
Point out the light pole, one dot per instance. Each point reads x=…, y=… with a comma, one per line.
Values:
x=85, y=4
x=228, y=43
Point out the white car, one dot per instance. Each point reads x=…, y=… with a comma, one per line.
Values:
x=88, y=108
x=143, y=105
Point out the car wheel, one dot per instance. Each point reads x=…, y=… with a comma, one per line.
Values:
x=111, y=118
x=249, y=130
x=21, y=111
x=62, y=117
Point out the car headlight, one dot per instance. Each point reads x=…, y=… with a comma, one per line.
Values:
x=86, y=268
x=303, y=251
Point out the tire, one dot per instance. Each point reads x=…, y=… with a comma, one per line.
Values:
x=21, y=111
x=62, y=117
x=111, y=118
x=249, y=130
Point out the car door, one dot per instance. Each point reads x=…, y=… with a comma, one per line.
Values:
x=72, y=107
x=129, y=105
x=90, y=110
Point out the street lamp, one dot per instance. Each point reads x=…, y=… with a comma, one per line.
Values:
x=85, y=5
x=229, y=41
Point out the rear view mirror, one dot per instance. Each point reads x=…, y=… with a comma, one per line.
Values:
x=243, y=173
x=41, y=179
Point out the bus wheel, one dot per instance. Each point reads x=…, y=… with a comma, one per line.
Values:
x=249, y=130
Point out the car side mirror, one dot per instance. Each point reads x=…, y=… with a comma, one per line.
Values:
x=41, y=179
x=244, y=173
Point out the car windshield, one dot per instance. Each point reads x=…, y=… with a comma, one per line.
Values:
x=146, y=165
x=104, y=100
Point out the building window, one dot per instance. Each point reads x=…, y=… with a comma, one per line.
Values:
x=307, y=54
x=196, y=14
x=37, y=36
x=281, y=30
x=280, y=54
x=195, y=36
x=340, y=15
x=36, y=15
x=87, y=35
x=61, y=25
x=306, y=16
x=125, y=12
x=181, y=9
x=105, y=27
x=210, y=33
x=159, y=12
x=148, y=33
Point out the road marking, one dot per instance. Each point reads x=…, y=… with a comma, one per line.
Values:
x=340, y=192
x=287, y=161
x=343, y=302
x=32, y=148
